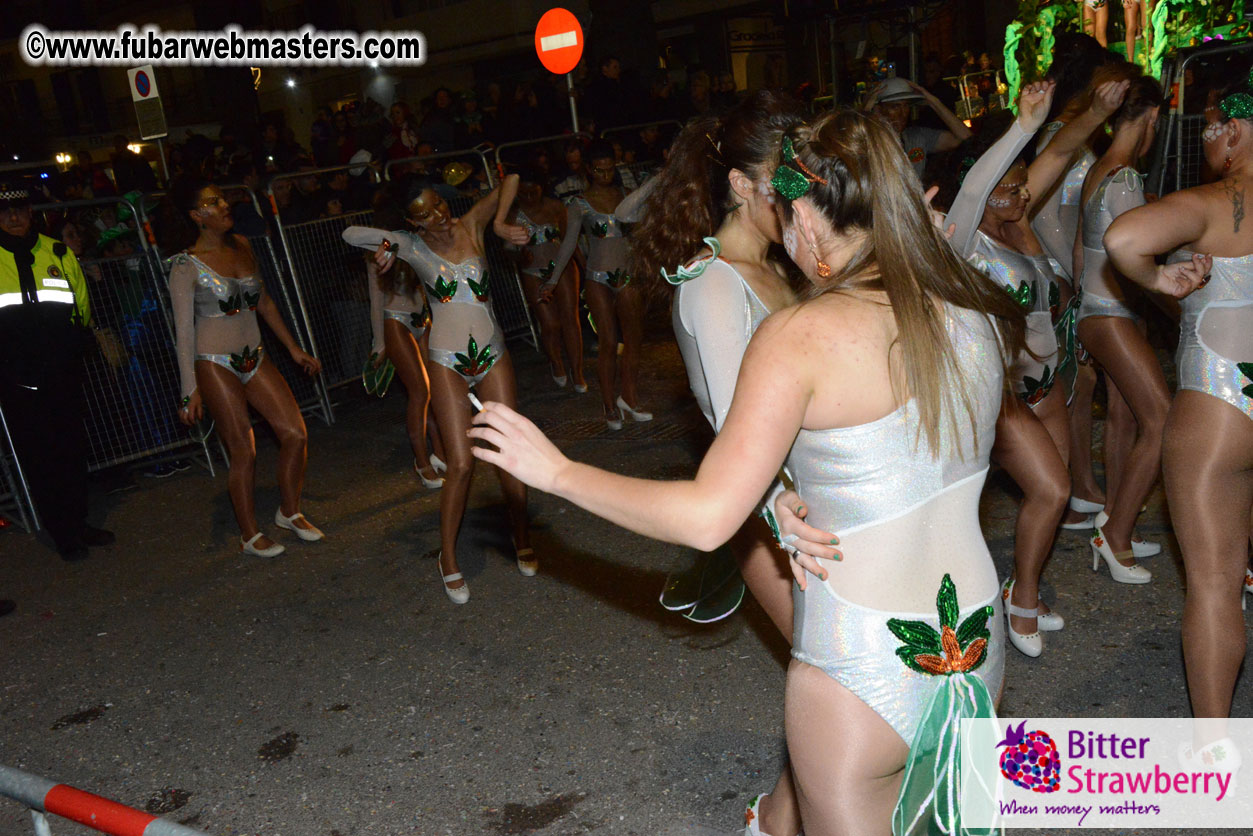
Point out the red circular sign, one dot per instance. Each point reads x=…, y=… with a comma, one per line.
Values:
x=559, y=41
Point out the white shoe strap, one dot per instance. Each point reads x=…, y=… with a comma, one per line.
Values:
x=455, y=576
x=254, y=538
x=1034, y=612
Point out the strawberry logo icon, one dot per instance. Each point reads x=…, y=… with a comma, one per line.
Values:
x=1030, y=759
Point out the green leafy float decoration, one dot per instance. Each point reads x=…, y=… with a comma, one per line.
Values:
x=475, y=361
x=952, y=649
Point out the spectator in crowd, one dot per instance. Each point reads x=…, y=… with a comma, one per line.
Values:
x=130, y=170
x=725, y=95
x=606, y=98
x=322, y=139
x=470, y=130
x=308, y=199
x=344, y=137
x=891, y=100
x=248, y=222
x=373, y=128
x=353, y=195
x=574, y=179
x=439, y=127
x=699, y=94
x=270, y=154
x=403, y=138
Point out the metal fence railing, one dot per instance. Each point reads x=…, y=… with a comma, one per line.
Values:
x=15, y=501
x=1195, y=72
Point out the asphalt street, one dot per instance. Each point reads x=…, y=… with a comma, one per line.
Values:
x=335, y=691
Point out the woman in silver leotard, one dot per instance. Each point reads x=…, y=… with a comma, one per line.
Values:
x=1111, y=333
x=617, y=305
x=216, y=296
x=724, y=288
x=1208, y=449
x=1033, y=437
x=467, y=347
x=552, y=296
x=884, y=382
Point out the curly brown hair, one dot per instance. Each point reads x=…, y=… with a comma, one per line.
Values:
x=693, y=195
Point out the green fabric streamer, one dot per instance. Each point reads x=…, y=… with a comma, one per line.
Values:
x=1013, y=75
x=1045, y=23
x=1157, y=24
x=934, y=786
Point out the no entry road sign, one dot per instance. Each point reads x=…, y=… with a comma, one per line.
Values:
x=559, y=41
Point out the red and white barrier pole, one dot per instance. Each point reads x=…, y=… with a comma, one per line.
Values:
x=86, y=808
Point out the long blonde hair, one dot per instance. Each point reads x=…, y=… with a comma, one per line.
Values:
x=871, y=188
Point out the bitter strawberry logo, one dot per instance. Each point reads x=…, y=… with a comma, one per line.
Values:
x=1030, y=759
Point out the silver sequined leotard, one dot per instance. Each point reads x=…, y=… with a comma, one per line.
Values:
x=1216, y=334
x=905, y=519
x=1030, y=280
x=215, y=319
x=464, y=334
x=1102, y=291
x=543, y=245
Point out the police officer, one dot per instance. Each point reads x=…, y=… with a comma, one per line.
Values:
x=44, y=322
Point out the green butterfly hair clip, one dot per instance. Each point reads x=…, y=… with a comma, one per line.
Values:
x=793, y=183
x=1238, y=105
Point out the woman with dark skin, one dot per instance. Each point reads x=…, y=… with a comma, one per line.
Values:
x=466, y=347
x=400, y=319
x=552, y=297
x=616, y=304
x=214, y=290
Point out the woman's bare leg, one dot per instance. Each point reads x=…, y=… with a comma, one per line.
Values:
x=566, y=299
x=1208, y=465
x=1131, y=365
x=847, y=761
x=432, y=428
x=1120, y=436
x=501, y=385
x=452, y=414
x=270, y=396
x=549, y=324
x=1030, y=455
x=402, y=350
x=1083, y=482
x=224, y=398
x=600, y=301
x=629, y=306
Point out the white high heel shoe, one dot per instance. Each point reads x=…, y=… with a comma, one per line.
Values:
x=1049, y=622
x=249, y=547
x=633, y=414
x=1029, y=644
x=459, y=595
x=1085, y=524
x=1123, y=574
x=1139, y=546
x=614, y=422
x=1085, y=506
x=437, y=463
x=429, y=484
x=310, y=535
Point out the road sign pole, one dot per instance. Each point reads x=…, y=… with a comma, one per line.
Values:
x=165, y=167
x=574, y=110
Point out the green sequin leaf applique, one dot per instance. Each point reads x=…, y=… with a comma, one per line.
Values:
x=246, y=360
x=1246, y=369
x=232, y=304
x=1055, y=298
x=1025, y=294
x=443, y=290
x=949, y=650
x=475, y=361
x=546, y=273
x=479, y=290
x=251, y=300
x=601, y=229
x=1037, y=390
x=619, y=279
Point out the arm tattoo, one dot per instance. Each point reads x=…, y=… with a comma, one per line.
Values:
x=1236, y=195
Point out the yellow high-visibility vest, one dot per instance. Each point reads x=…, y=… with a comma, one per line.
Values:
x=58, y=278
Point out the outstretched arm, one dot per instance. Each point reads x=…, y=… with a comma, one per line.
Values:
x=957, y=131
x=741, y=464
x=628, y=210
x=494, y=207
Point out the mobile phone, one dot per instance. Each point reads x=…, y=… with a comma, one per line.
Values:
x=475, y=402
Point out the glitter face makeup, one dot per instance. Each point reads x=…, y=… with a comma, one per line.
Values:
x=1213, y=131
x=790, y=243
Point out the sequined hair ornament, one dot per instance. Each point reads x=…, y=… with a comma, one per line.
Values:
x=967, y=164
x=793, y=183
x=1239, y=105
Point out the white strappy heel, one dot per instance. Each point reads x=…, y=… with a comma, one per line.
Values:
x=633, y=414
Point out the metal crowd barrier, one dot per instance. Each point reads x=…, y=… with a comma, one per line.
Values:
x=15, y=502
x=478, y=152
x=1178, y=163
x=101, y=814
x=543, y=140
x=132, y=407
